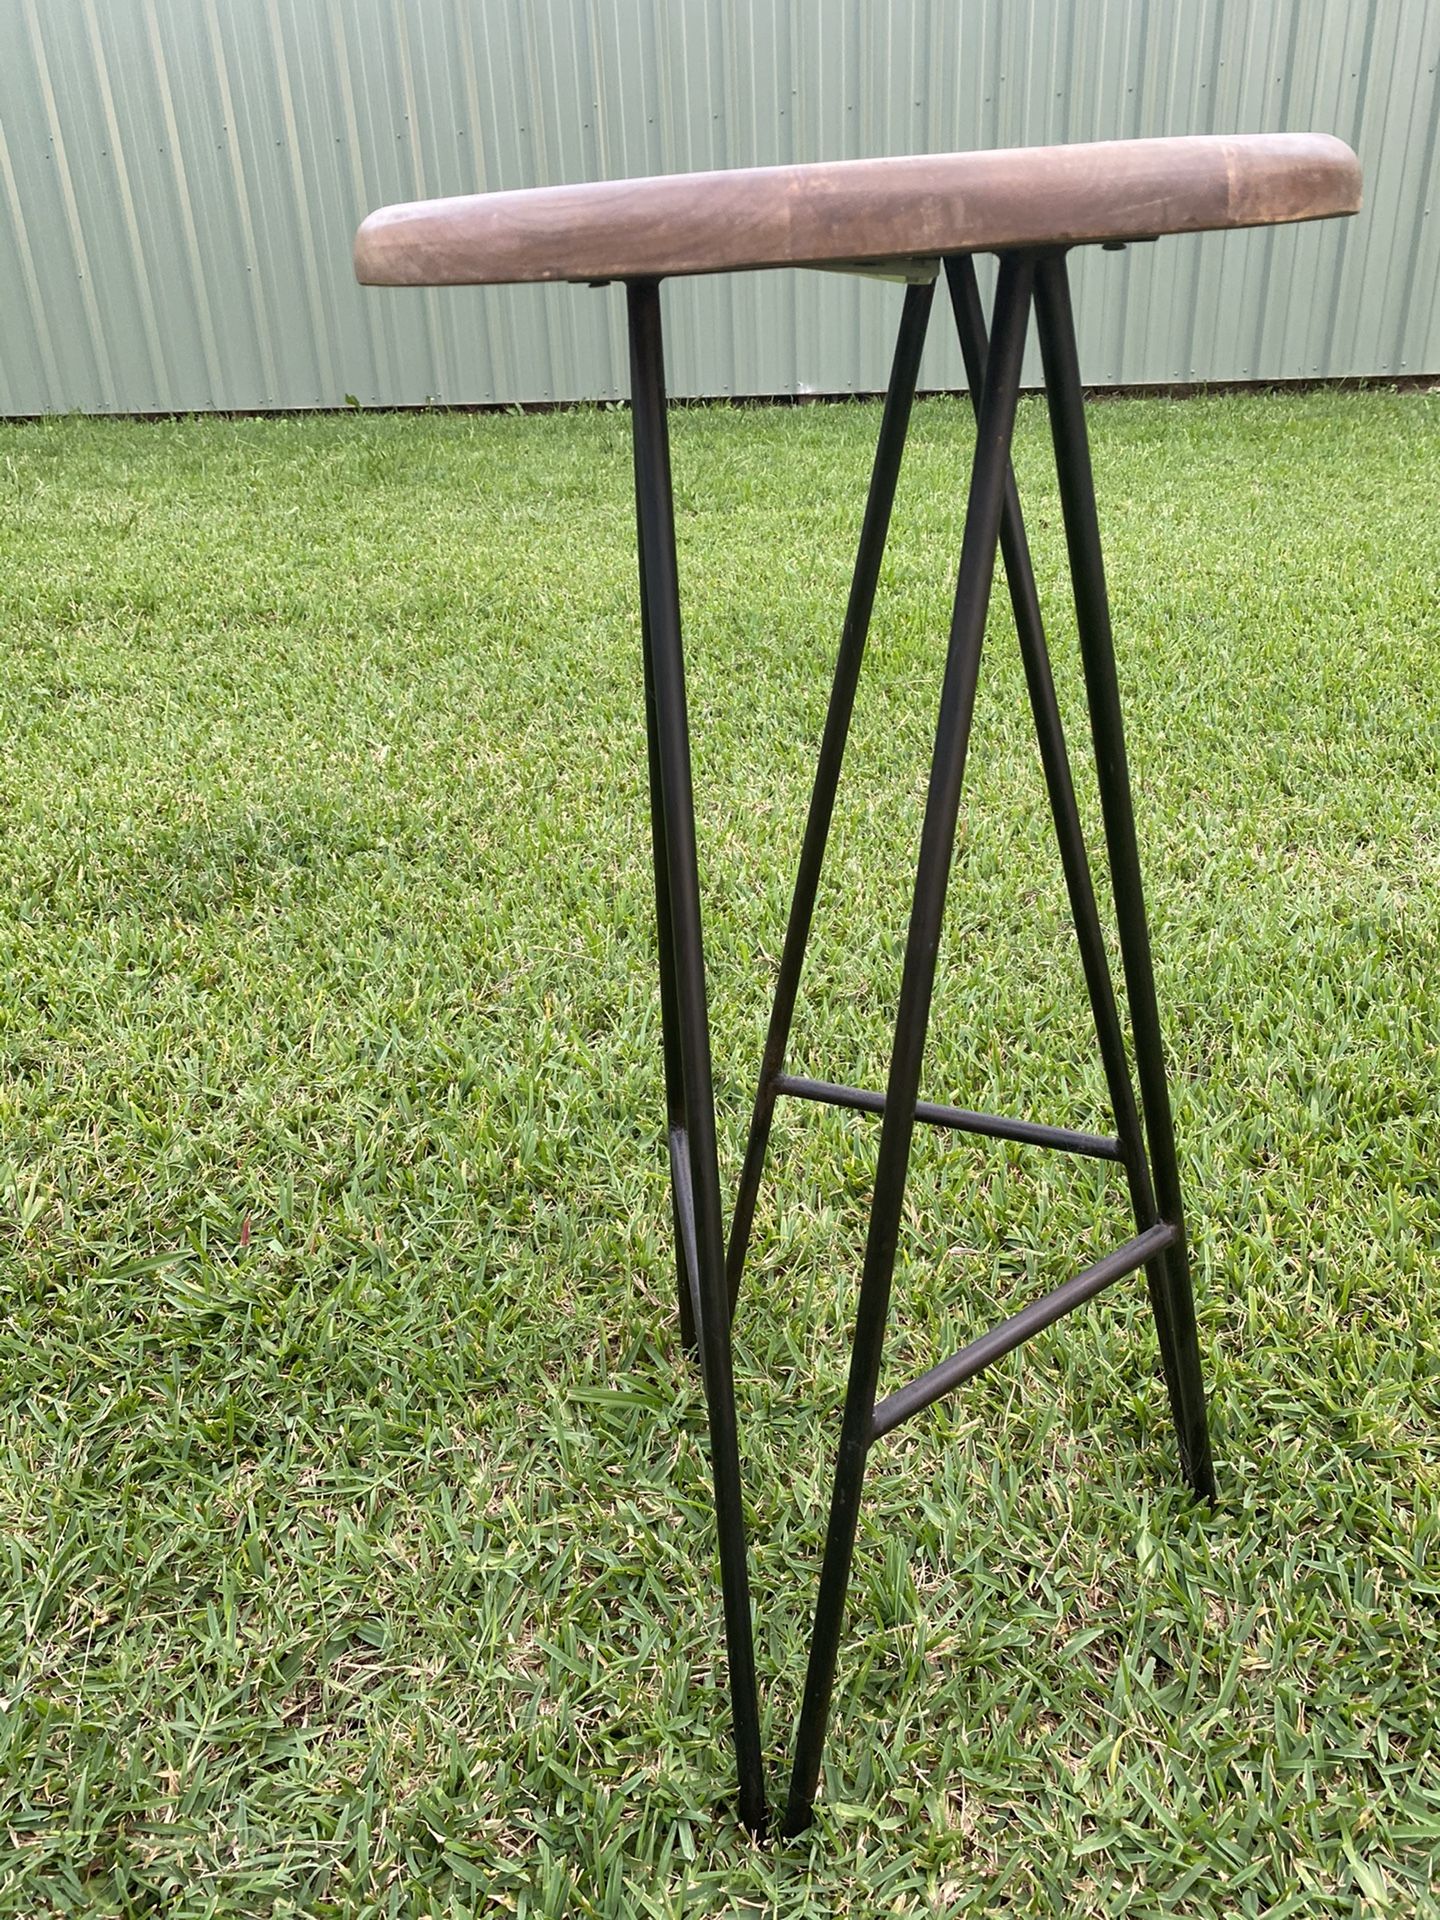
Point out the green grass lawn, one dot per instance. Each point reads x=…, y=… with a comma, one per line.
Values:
x=354, y=1506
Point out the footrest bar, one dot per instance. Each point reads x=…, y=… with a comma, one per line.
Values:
x=1030, y=1133
x=1013, y=1332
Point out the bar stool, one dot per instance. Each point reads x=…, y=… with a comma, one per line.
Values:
x=912, y=219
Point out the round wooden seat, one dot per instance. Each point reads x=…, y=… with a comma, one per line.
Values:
x=860, y=212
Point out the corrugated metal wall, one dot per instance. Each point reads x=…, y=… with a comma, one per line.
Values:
x=180, y=181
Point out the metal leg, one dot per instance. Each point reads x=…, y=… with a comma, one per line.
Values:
x=687, y=1273
x=893, y=426
x=674, y=817
x=972, y=596
x=1020, y=575
x=1171, y=1291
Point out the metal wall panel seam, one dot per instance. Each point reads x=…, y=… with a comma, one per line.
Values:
x=381, y=369
x=1356, y=137
x=198, y=277
x=259, y=311
x=479, y=179
x=154, y=348
x=1407, y=352
x=30, y=278
x=99, y=349
x=1404, y=274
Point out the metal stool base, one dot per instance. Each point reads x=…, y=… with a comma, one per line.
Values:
x=709, y=1273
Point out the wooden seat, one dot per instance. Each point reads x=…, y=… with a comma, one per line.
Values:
x=860, y=212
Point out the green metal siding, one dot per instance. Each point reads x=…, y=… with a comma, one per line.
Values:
x=180, y=181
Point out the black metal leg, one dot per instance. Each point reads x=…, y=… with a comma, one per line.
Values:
x=1020, y=575
x=904, y=371
x=674, y=816
x=679, y=1142
x=972, y=596
x=1171, y=1293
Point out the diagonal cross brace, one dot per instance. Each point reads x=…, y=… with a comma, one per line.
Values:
x=937, y=1381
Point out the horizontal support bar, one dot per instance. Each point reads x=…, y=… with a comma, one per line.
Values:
x=1013, y=1332
x=1030, y=1133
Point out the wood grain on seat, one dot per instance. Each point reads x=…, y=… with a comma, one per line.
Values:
x=860, y=211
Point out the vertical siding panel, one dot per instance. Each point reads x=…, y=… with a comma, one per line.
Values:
x=263, y=333
x=114, y=152
x=1397, y=127
x=26, y=332
x=379, y=373
x=1412, y=292
x=182, y=167
x=79, y=230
